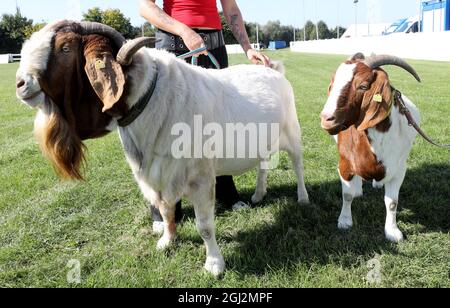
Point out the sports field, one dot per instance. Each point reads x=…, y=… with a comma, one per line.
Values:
x=104, y=222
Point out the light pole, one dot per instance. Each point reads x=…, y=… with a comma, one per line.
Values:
x=420, y=16
x=338, y=18
x=257, y=37
x=356, y=17
x=304, y=22
x=317, y=22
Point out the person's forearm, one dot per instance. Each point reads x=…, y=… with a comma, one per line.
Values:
x=157, y=17
x=236, y=23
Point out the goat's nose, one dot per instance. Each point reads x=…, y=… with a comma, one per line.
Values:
x=20, y=83
x=328, y=117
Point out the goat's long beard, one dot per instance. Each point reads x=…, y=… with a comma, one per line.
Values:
x=58, y=141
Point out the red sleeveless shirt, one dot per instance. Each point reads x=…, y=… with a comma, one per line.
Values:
x=194, y=13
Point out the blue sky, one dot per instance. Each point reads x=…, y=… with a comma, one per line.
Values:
x=289, y=12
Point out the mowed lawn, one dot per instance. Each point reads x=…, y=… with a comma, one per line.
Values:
x=104, y=222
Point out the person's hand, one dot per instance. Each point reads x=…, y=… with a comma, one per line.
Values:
x=256, y=57
x=192, y=40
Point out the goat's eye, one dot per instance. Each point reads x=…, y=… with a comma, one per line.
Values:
x=66, y=49
x=363, y=87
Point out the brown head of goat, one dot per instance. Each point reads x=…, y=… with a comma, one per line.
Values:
x=360, y=94
x=70, y=71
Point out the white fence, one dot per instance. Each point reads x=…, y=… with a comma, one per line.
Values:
x=421, y=46
x=9, y=58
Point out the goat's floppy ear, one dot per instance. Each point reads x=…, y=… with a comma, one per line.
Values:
x=105, y=74
x=377, y=102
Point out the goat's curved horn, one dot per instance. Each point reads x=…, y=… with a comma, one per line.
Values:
x=101, y=29
x=381, y=60
x=358, y=56
x=126, y=53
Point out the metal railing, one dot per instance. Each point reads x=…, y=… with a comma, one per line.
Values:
x=10, y=58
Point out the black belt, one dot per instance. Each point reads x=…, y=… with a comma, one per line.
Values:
x=174, y=43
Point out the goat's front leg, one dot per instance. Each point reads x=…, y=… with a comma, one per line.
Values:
x=202, y=194
x=350, y=190
x=168, y=214
x=392, y=190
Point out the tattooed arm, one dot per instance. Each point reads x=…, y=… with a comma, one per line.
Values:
x=236, y=22
x=157, y=17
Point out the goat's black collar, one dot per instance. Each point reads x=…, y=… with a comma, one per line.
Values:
x=139, y=107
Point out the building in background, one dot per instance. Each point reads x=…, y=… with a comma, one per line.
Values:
x=436, y=16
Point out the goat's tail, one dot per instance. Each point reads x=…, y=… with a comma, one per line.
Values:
x=278, y=66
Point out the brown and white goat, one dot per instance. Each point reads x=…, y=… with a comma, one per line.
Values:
x=373, y=136
x=85, y=81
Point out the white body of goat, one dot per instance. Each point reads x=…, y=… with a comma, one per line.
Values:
x=240, y=94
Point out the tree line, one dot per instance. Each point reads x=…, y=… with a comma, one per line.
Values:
x=16, y=28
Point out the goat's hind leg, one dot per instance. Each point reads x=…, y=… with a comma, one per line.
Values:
x=261, y=183
x=293, y=146
x=202, y=194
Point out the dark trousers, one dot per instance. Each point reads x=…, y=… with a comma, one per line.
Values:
x=226, y=192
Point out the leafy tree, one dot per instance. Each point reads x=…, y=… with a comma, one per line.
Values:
x=227, y=33
x=12, y=32
x=149, y=30
x=272, y=31
x=229, y=36
x=3, y=39
x=298, y=34
x=251, y=30
x=310, y=31
x=94, y=14
x=113, y=18
x=334, y=32
x=324, y=32
x=29, y=30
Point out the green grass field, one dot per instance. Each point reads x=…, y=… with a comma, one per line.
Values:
x=104, y=223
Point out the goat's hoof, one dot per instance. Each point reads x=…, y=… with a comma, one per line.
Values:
x=158, y=227
x=345, y=223
x=303, y=201
x=394, y=235
x=240, y=206
x=215, y=266
x=257, y=198
x=377, y=185
x=163, y=243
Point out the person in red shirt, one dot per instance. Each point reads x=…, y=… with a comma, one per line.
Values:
x=185, y=25
x=185, y=18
